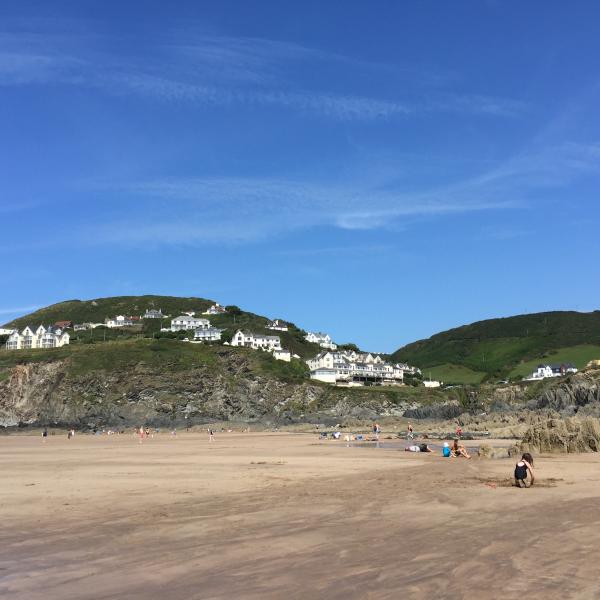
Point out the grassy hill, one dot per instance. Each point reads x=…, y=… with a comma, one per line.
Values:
x=96, y=310
x=511, y=346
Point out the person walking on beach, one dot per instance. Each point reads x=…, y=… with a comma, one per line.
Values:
x=522, y=468
x=45, y=435
x=211, y=435
x=141, y=433
x=458, y=431
x=409, y=432
x=376, y=431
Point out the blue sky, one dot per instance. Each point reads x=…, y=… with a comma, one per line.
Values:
x=377, y=170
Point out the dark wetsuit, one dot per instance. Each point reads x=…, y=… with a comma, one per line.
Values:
x=521, y=471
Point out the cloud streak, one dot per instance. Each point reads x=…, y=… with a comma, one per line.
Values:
x=219, y=71
x=242, y=210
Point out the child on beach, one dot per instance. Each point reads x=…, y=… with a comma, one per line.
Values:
x=524, y=466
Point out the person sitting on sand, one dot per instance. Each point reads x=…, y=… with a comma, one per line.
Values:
x=524, y=466
x=459, y=450
x=446, y=452
x=419, y=448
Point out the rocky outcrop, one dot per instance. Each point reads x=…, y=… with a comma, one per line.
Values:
x=450, y=410
x=563, y=435
x=49, y=394
x=230, y=389
x=579, y=394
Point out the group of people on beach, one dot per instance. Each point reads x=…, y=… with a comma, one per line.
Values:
x=455, y=451
x=524, y=475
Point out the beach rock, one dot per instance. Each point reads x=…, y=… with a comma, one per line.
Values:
x=563, y=436
x=491, y=452
x=434, y=411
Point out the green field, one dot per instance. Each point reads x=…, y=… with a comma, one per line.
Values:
x=453, y=374
x=498, y=346
x=578, y=355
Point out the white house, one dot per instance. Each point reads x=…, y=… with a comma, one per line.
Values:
x=323, y=339
x=42, y=337
x=256, y=341
x=432, y=384
x=282, y=354
x=547, y=371
x=85, y=326
x=207, y=334
x=185, y=322
x=408, y=369
x=153, y=314
x=118, y=321
x=278, y=325
x=6, y=331
x=349, y=367
x=215, y=309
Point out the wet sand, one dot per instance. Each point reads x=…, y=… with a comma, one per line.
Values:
x=283, y=515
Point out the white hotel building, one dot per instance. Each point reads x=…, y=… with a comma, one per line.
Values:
x=42, y=337
x=354, y=368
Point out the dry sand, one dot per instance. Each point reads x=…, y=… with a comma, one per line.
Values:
x=283, y=515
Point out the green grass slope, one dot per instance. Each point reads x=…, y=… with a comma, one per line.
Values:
x=580, y=356
x=96, y=310
x=496, y=347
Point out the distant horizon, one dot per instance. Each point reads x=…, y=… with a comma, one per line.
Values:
x=379, y=172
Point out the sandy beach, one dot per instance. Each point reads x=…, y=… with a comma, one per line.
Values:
x=283, y=515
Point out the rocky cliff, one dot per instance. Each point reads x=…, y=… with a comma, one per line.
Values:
x=171, y=384
x=48, y=393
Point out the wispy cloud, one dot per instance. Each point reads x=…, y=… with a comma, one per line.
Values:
x=219, y=71
x=237, y=210
x=476, y=104
x=240, y=210
x=343, y=107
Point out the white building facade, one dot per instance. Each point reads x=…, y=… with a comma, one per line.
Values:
x=282, y=354
x=349, y=367
x=256, y=341
x=186, y=322
x=323, y=339
x=277, y=325
x=547, y=371
x=215, y=309
x=207, y=334
x=119, y=321
x=42, y=337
